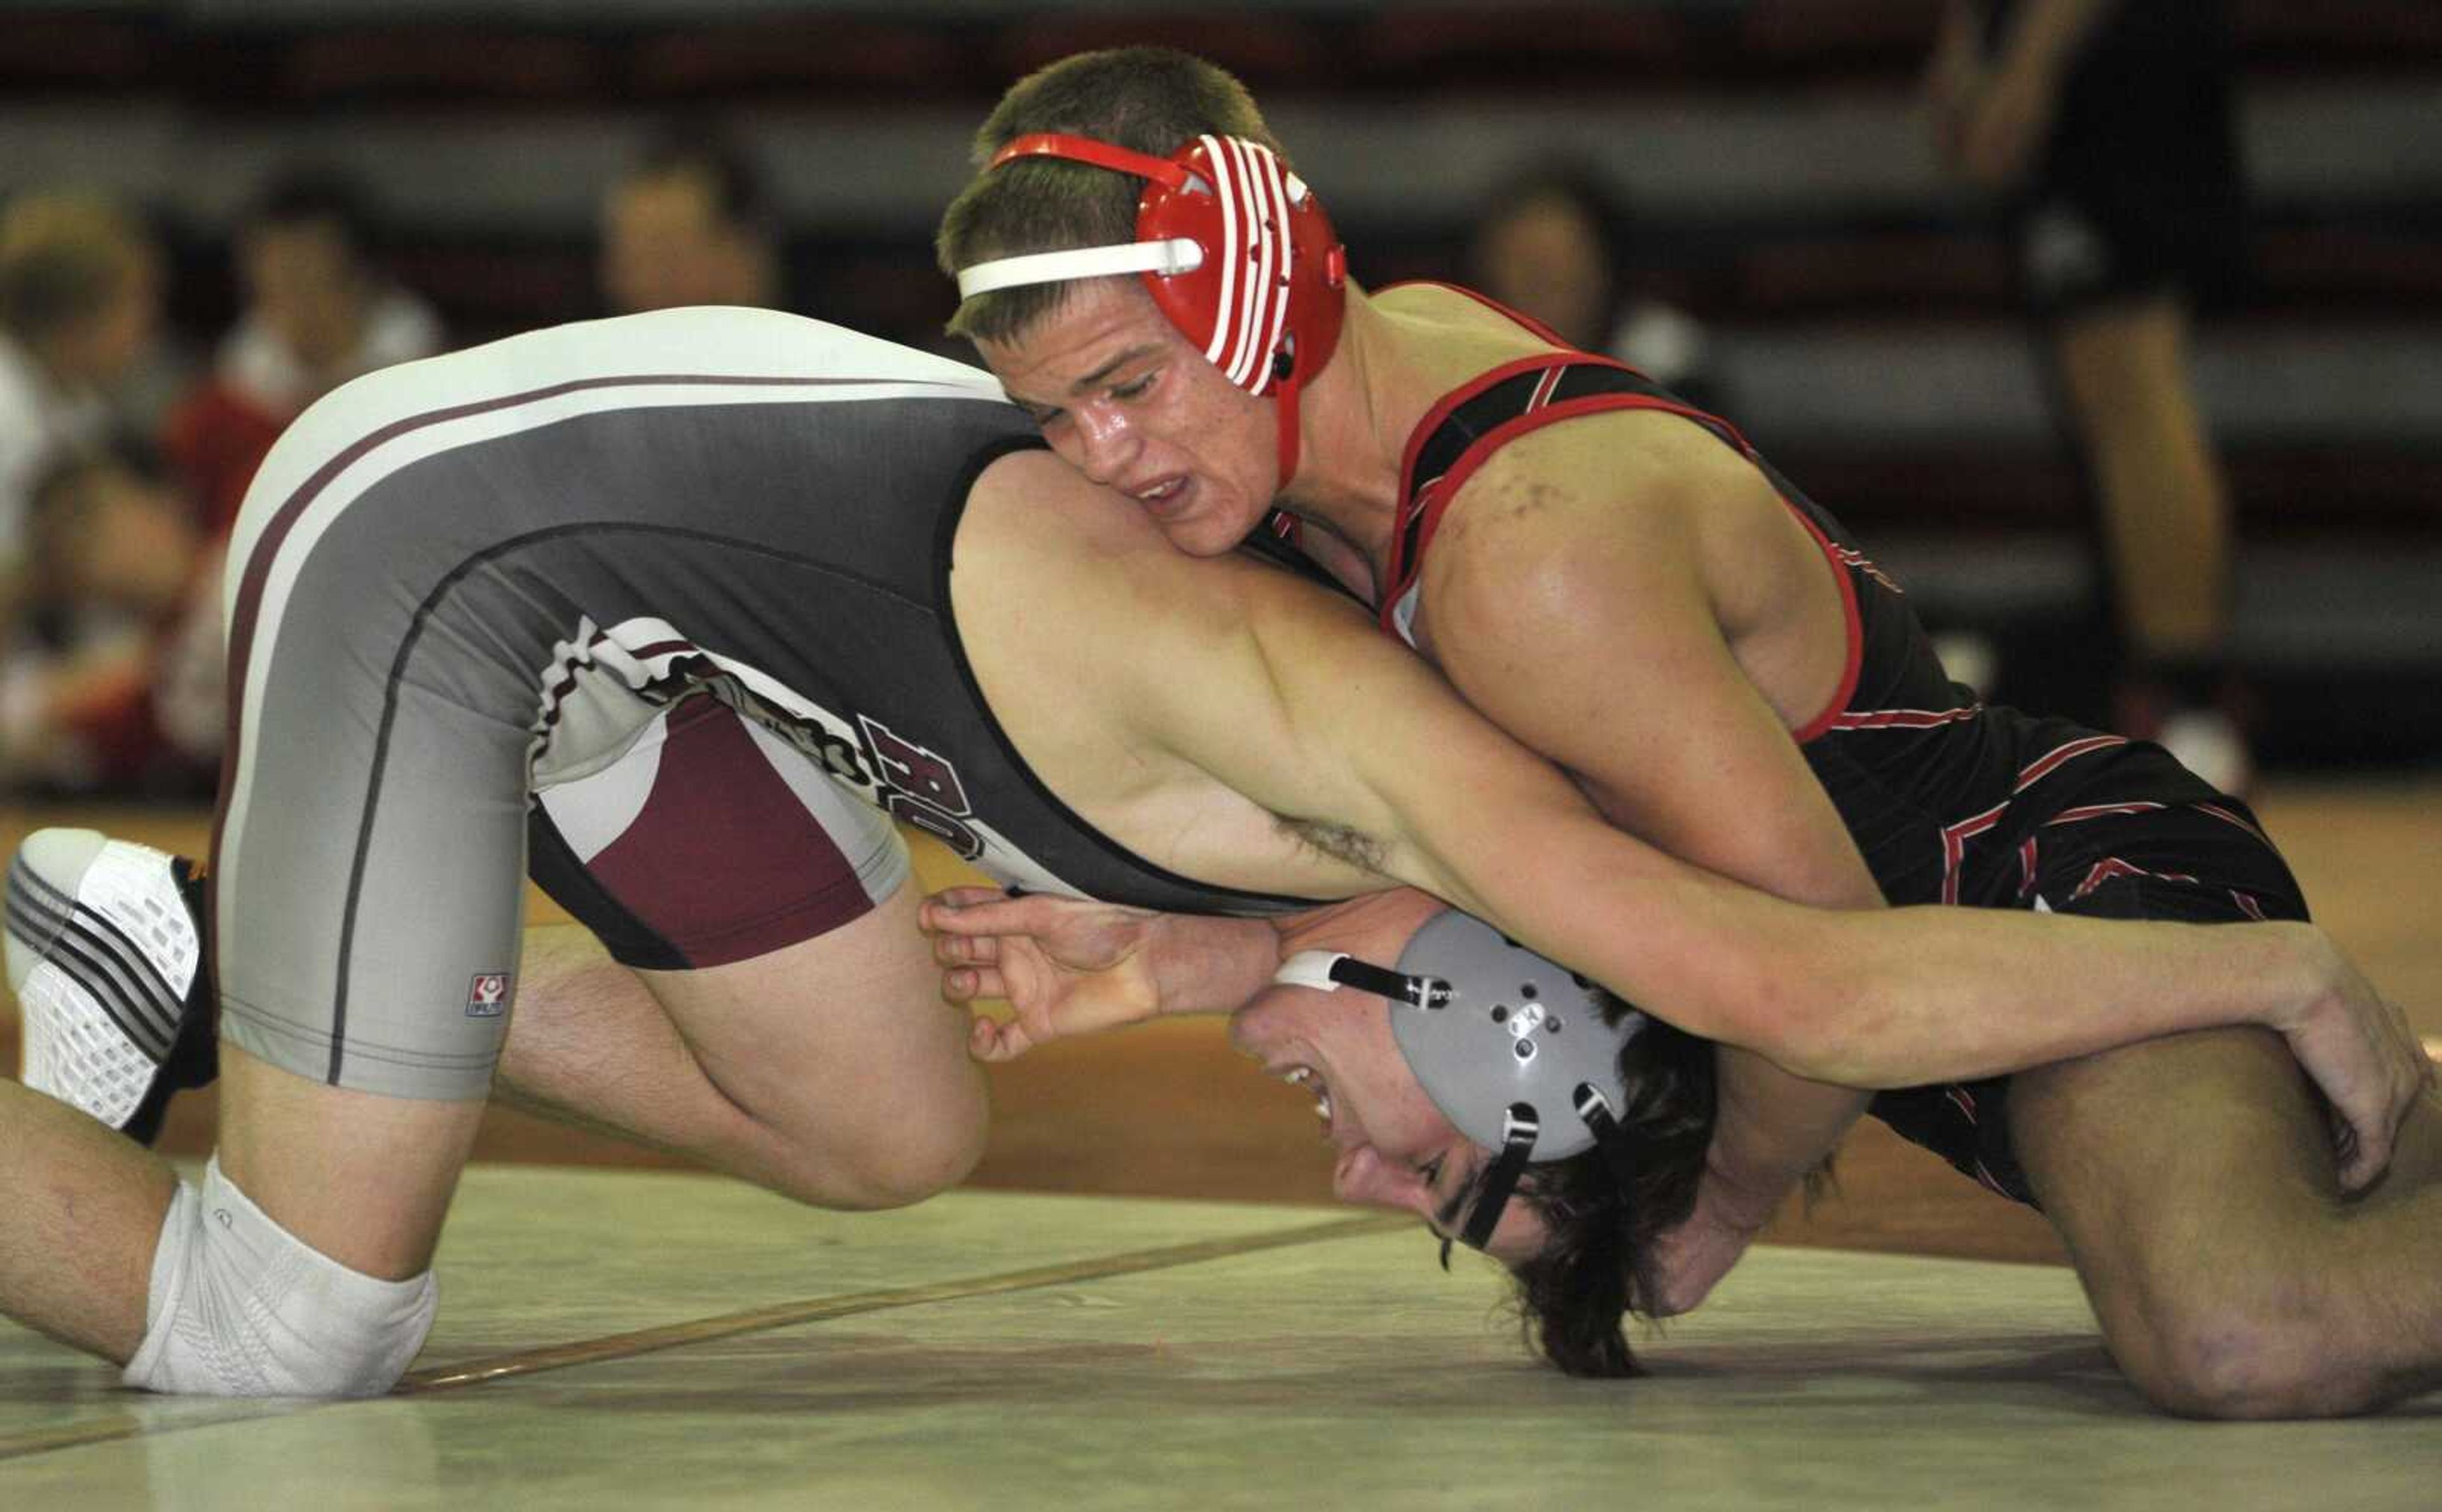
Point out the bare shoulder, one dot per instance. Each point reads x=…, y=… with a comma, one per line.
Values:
x=1601, y=473
x=1059, y=579
x=1584, y=532
x=1031, y=502
x=1571, y=503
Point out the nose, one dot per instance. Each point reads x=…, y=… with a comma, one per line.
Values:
x=1364, y=1179
x=1357, y=1178
x=1106, y=444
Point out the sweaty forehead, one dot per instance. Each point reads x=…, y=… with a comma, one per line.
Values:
x=1073, y=349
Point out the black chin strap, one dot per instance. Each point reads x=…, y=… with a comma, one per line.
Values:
x=1518, y=1132
x=1608, y=1137
x=1420, y=992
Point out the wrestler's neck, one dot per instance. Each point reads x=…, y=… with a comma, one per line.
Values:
x=1398, y=355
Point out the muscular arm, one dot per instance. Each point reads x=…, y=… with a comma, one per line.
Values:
x=1294, y=702
x=1268, y=687
x=1577, y=615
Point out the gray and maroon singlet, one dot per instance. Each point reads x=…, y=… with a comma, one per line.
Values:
x=671, y=591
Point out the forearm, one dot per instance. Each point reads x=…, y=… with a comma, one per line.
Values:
x=1771, y=1128
x=1202, y=964
x=1956, y=994
x=1882, y=998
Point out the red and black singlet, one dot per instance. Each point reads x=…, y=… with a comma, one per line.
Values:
x=1948, y=799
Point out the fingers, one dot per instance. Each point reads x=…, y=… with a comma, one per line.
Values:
x=949, y=909
x=2363, y=1139
x=964, y=985
x=2354, y=1154
x=962, y=949
x=990, y=911
x=993, y=1041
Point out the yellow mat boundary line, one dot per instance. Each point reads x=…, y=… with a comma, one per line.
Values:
x=750, y=1320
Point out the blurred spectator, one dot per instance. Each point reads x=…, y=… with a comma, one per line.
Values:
x=79, y=305
x=688, y=224
x=2107, y=128
x=117, y=686
x=1553, y=243
x=319, y=312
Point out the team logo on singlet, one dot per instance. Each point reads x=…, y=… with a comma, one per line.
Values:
x=905, y=779
x=920, y=788
x=487, y=995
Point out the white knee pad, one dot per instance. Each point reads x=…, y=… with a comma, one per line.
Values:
x=241, y=1307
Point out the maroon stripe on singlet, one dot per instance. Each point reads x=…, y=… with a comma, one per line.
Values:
x=723, y=861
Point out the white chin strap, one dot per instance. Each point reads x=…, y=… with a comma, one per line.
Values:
x=1179, y=254
x=1310, y=968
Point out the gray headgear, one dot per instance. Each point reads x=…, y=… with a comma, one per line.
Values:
x=1510, y=1046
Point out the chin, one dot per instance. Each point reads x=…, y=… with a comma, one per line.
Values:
x=1245, y=1031
x=1208, y=535
x=1260, y=1024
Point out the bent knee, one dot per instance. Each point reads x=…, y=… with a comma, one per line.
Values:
x=241, y=1307
x=924, y=1166
x=892, y=1162
x=2220, y=1362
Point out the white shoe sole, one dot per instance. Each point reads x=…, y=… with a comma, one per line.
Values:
x=101, y=952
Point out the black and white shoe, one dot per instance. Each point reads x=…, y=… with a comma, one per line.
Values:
x=105, y=955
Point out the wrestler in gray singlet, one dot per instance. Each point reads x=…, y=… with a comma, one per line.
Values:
x=674, y=590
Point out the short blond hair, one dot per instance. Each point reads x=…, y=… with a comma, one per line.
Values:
x=64, y=257
x=1148, y=99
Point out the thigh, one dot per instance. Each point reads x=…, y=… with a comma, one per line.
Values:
x=2193, y=1181
x=771, y=914
x=369, y=852
x=2159, y=1157
x=2193, y=1175
x=367, y=913
x=2164, y=848
x=710, y=841
x=842, y=1046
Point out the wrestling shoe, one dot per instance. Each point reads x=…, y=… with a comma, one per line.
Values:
x=105, y=955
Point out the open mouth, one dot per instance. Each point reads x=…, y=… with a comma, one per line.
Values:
x=1308, y=1078
x=1163, y=496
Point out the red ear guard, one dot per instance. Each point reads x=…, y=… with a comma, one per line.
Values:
x=1234, y=249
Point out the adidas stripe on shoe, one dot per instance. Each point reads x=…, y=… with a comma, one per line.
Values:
x=105, y=952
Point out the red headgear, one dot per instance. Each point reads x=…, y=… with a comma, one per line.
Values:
x=1235, y=248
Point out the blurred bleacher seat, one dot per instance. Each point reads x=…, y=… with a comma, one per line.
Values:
x=1784, y=191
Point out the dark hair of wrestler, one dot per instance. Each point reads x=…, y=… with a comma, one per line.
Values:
x=1148, y=99
x=1597, y=1265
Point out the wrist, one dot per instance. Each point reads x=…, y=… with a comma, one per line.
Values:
x=1204, y=964
x=2315, y=975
